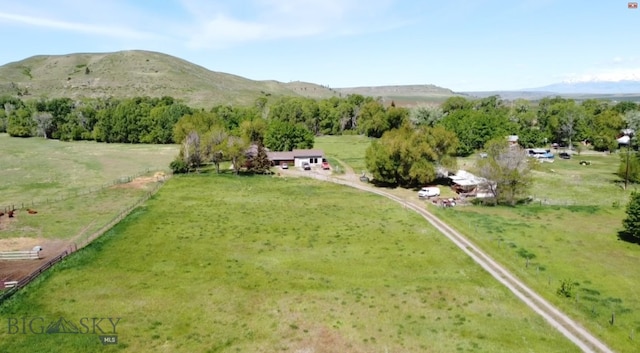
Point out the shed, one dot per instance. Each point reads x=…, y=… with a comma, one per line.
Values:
x=470, y=185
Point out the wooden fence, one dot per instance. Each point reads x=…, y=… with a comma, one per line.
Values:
x=15, y=285
x=69, y=195
x=11, y=287
x=20, y=255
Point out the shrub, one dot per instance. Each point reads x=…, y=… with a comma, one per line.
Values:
x=566, y=288
x=179, y=166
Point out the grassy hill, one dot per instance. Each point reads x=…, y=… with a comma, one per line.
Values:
x=145, y=73
x=138, y=73
x=404, y=95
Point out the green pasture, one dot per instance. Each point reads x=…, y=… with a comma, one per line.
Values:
x=566, y=182
x=546, y=245
x=76, y=187
x=36, y=170
x=349, y=149
x=75, y=218
x=568, y=234
x=265, y=264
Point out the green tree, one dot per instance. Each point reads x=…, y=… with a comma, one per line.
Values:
x=507, y=170
x=191, y=151
x=285, y=136
x=216, y=145
x=373, y=120
x=259, y=163
x=236, y=152
x=426, y=115
x=631, y=223
x=20, y=123
x=253, y=130
x=410, y=157
x=199, y=121
x=43, y=121
x=632, y=173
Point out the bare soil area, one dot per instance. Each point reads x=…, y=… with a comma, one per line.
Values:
x=140, y=182
x=14, y=270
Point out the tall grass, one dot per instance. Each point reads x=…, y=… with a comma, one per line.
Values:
x=264, y=264
x=35, y=170
x=349, y=149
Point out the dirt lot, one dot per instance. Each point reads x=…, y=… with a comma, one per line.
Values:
x=14, y=270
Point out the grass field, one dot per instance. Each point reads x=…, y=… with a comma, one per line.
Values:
x=350, y=149
x=569, y=235
x=71, y=184
x=266, y=264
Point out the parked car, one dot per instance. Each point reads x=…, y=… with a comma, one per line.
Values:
x=306, y=166
x=564, y=155
x=325, y=165
x=430, y=191
x=285, y=166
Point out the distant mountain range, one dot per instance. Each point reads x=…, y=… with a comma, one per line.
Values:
x=615, y=90
x=593, y=87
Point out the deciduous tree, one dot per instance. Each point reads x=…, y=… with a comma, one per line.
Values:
x=259, y=163
x=409, y=157
x=631, y=224
x=236, y=152
x=507, y=169
x=216, y=146
x=285, y=136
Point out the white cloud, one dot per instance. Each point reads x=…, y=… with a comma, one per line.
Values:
x=104, y=30
x=614, y=75
x=218, y=26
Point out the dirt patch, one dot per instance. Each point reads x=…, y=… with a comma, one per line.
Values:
x=324, y=340
x=14, y=270
x=6, y=222
x=137, y=183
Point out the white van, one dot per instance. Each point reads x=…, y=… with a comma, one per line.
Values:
x=429, y=191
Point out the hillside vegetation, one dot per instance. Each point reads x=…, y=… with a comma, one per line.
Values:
x=139, y=73
x=132, y=73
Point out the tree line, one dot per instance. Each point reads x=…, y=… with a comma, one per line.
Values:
x=436, y=134
x=152, y=120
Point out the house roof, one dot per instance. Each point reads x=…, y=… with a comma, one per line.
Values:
x=291, y=155
x=464, y=178
x=285, y=155
x=298, y=153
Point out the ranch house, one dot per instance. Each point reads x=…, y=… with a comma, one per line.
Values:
x=297, y=157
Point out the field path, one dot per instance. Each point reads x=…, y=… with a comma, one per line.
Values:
x=560, y=321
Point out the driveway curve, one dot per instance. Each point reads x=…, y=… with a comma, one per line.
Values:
x=560, y=321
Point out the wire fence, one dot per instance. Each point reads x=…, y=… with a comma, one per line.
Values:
x=70, y=195
x=84, y=241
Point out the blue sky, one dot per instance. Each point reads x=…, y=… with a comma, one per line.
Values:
x=462, y=45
